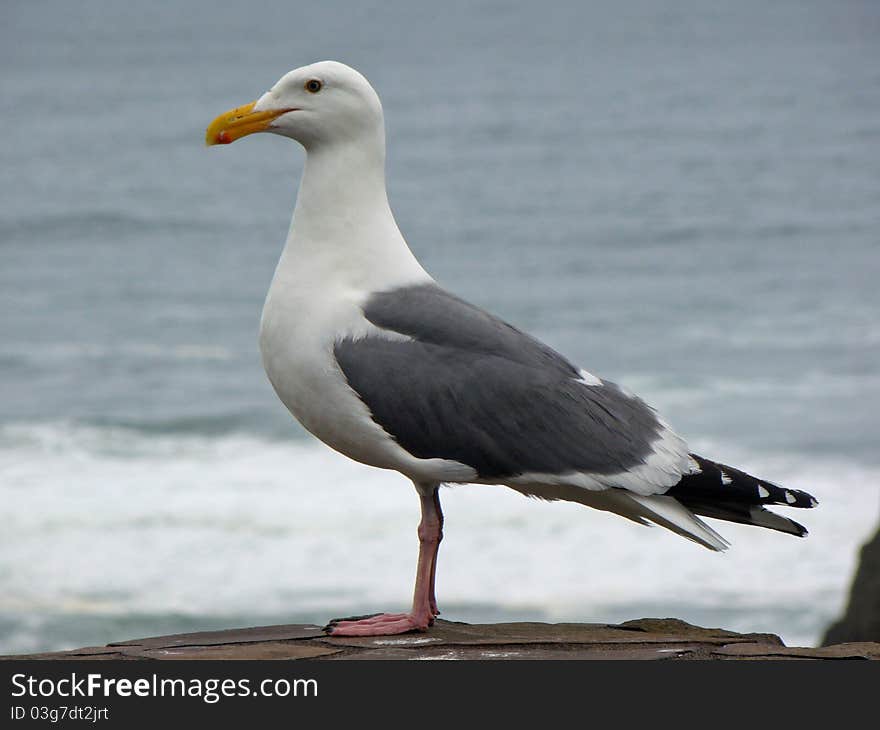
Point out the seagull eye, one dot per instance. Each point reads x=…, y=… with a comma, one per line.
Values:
x=313, y=86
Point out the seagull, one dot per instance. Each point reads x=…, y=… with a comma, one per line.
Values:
x=379, y=362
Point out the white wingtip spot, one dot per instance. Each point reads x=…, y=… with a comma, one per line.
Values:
x=814, y=502
x=762, y=492
x=790, y=498
x=725, y=479
x=588, y=378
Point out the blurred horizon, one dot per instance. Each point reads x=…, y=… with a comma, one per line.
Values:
x=682, y=198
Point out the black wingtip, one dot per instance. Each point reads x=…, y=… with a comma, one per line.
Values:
x=714, y=481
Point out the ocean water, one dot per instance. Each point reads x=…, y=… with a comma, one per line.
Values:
x=684, y=198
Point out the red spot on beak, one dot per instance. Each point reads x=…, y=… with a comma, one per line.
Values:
x=223, y=138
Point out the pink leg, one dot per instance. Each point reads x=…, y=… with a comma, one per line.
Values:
x=424, y=607
x=433, y=599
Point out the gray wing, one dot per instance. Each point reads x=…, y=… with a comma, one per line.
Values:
x=465, y=386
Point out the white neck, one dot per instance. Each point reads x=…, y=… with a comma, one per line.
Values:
x=343, y=229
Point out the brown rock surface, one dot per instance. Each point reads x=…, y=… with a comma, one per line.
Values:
x=642, y=639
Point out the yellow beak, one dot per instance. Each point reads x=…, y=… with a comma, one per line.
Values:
x=240, y=122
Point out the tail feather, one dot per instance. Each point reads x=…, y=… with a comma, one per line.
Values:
x=672, y=515
x=748, y=514
x=725, y=493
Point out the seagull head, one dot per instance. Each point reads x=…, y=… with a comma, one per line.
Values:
x=323, y=103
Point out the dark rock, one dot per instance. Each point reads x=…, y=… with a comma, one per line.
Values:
x=861, y=621
x=642, y=632
x=664, y=639
x=258, y=650
x=228, y=636
x=864, y=650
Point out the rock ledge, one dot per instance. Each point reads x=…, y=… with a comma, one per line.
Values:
x=648, y=638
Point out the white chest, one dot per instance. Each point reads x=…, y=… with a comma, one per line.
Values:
x=298, y=329
x=330, y=266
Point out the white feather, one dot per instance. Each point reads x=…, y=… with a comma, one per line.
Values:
x=670, y=513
